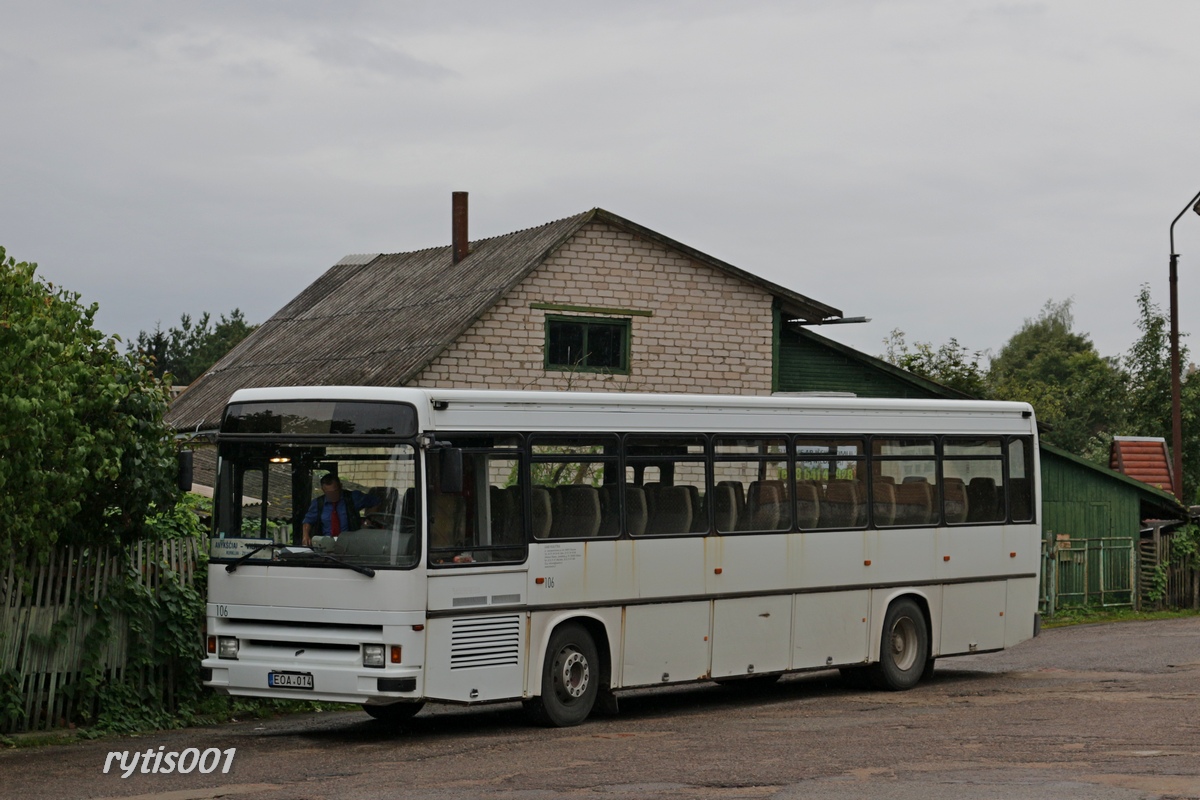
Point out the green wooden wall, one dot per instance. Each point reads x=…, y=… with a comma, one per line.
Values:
x=1085, y=503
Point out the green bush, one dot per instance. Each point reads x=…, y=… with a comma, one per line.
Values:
x=85, y=453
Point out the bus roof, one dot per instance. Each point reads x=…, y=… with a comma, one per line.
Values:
x=481, y=410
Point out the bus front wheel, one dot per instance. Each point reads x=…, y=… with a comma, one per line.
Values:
x=904, y=649
x=570, y=679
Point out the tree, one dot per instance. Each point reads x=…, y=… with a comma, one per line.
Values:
x=186, y=352
x=1148, y=410
x=1077, y=394
x=951, y=365
x=85, y=455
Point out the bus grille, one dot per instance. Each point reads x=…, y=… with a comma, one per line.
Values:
x=485, y=641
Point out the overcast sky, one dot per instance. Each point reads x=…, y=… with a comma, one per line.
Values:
x=944, y=168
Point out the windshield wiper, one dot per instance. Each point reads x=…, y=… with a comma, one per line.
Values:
x=370, y=573
x=246, y=556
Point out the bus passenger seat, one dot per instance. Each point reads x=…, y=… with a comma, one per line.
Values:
x=635, y=509
x=699, y=515
x=577, y=514
x=724, y=503
x=914, y=503
x=739, y=494
x=763, y=503
x=840, y=509
x=670, y=510
x=610, y=511
x=541, y=515
x=884, y=501
x=808, y=505
x=954, y=499
x=651, y=490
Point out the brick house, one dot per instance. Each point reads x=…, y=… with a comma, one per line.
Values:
x=591, y=302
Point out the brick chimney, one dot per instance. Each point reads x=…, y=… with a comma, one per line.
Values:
x=462, y=245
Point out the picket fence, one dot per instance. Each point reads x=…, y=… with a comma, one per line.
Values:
x=38, y=671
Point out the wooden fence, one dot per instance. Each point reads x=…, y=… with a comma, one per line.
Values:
x=43, y=625
x=1168, y=579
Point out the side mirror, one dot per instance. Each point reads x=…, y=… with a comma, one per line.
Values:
x=183, y=476
x=450, y=468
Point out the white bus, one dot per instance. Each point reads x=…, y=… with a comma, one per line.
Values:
x=557, y=547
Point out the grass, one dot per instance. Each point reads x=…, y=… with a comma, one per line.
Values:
x=213, y=710
x=1088, y=616
x=38, y=739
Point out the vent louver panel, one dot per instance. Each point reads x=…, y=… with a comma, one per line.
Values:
x=485, y=641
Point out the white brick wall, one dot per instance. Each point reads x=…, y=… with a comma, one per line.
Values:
x=709, y=332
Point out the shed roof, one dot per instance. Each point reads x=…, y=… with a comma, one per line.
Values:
x=378, y=320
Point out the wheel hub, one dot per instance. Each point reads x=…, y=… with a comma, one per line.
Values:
x=904, y=643
x=574, y=673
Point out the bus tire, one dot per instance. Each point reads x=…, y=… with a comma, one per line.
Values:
x=394, y=712
x=570, y=679
x=904, y=647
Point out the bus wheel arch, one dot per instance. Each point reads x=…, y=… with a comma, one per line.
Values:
x=575, y=669
x=905, y=644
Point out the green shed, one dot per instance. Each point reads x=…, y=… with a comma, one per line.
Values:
x=1082, y=500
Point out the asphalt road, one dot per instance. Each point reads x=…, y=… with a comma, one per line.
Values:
x=1096, y=712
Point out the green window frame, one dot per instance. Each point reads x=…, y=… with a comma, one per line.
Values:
x=588, y=344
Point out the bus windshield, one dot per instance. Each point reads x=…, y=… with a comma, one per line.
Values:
x=276, y=492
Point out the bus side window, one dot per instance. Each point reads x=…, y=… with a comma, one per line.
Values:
x=909, y=465
x=973, y=474
x=484, y=522
x=1020, y=479
x=754, y=472
x=674, y=485
x=831, y=486
x=570, y=472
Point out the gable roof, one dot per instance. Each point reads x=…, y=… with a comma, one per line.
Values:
x=1142, y=458
x=379, y=320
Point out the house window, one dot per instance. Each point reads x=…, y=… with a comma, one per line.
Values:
x=587, y=343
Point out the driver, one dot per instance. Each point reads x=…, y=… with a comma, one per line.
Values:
x=335, y=510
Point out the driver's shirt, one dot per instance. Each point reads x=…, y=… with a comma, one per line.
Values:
x=361, y=500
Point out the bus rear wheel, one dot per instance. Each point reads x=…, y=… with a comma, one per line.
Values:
x=904, y=649
x=395, y=712
x=570, y=679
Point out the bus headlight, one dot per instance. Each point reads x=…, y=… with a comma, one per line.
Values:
x=227, y=647
x=372, y=655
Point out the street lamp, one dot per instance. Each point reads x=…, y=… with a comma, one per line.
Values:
x=1176, y=392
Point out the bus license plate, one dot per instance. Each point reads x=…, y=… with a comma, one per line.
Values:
x=290, y=680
